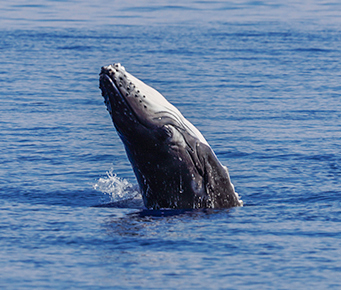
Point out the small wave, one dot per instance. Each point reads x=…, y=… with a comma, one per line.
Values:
x=117, y=188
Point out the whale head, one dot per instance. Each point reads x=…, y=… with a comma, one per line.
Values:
x=136, y=107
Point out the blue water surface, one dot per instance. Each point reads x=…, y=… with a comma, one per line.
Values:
x=260, y=79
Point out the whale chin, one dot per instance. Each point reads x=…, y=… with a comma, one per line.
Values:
x=173, y=163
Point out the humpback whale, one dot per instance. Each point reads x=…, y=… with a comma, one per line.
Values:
x=174, y=165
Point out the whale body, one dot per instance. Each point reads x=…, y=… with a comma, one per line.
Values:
x=174, y=165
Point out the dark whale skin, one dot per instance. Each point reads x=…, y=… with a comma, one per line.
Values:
x=173, y=163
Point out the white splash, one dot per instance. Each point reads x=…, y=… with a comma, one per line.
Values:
x=117, y=188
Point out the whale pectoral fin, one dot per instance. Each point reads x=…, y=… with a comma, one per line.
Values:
x=217, y=180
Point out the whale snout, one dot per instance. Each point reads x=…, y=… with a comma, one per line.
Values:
x=112, y=68
x=121, y=80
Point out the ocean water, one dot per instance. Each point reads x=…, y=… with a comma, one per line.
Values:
x=260, y=79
